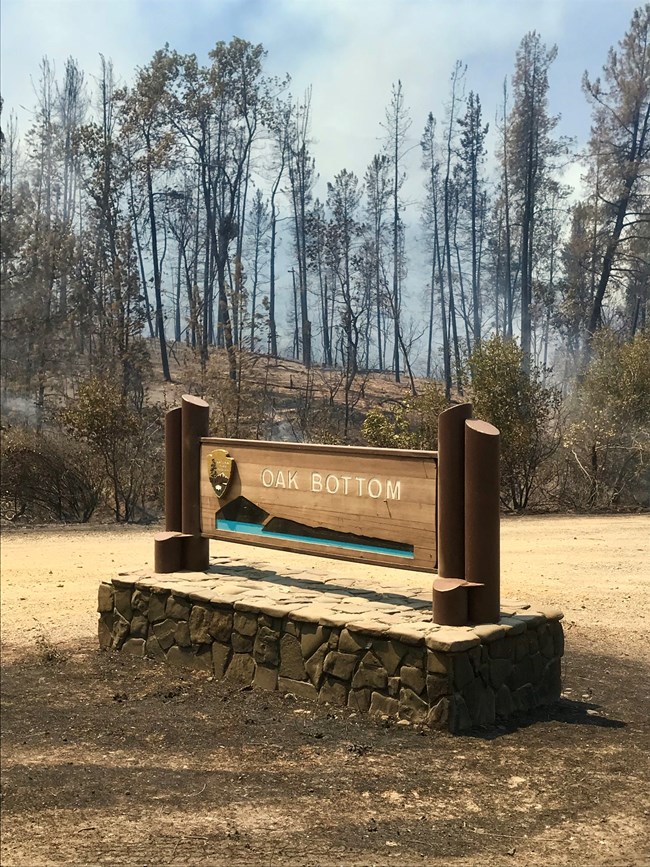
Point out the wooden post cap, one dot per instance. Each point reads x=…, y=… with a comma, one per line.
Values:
x=195, y=401
x=168, y=552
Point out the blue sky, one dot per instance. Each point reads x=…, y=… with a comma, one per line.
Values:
x=350, y=51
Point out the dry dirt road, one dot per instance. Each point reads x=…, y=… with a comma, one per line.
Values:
x=117, y=761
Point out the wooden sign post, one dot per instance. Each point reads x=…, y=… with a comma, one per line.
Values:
x=391, y=507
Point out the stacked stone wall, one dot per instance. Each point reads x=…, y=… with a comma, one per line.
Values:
x=453, y=678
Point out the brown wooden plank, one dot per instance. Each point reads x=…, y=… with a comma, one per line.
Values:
x=384, y=508
x=356, y=513
x=385, y=494
x=424, y=560
x=420, y=477
x=319, y=448
x=400, y=529
x=336, y=461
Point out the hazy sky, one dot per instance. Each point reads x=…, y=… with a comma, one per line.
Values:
x=349, y=50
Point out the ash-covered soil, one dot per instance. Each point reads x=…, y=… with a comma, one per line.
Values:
x=118, y=761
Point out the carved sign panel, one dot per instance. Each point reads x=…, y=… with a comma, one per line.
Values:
x=348, y=502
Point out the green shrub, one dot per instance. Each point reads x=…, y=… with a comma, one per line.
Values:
x=526, y=412
x=389, y=430
x=608, y=440
x=127, y=443
x=412, y=424
x=425, y=409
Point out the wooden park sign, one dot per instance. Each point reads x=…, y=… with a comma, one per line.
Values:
x=346, y=502
x=427, y=511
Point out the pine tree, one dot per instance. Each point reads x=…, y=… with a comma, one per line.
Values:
x=531, y=153
x=472, y=152
x=620, y=144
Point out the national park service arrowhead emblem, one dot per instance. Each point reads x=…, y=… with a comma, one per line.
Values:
x=220, y=467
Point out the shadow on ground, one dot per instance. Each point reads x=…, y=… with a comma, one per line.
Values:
x=113, y=760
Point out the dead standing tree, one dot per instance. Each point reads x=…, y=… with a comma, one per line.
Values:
x=216, y=110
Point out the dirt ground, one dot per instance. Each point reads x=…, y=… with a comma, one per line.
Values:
x=118, y=761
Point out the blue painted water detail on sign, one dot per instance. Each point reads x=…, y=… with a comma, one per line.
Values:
x=258, y=530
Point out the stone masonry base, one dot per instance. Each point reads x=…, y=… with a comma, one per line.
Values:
x=376, y=651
